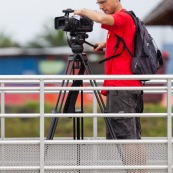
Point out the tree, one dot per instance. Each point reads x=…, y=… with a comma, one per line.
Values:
x=49, y=38
x=6, y=41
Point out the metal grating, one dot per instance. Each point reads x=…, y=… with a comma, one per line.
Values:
x=19, y=171
x=19, y=155
x=148, y=154
x=90, y=171
x=133, y=171
x=106, y=155
x=108, y=171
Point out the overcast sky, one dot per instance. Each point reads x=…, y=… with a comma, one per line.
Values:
x=24, y=19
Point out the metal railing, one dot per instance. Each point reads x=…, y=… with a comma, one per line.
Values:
x=93, y=155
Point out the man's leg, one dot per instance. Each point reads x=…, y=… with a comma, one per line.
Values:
x=128, y=127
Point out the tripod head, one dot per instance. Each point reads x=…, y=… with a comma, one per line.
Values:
x=76, y=41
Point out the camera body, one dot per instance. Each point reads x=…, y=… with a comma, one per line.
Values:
x=76, y=27
x=71, y=24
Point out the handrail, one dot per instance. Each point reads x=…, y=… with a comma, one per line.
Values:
x=40, y=85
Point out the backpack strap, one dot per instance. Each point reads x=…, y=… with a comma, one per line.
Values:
x=119, y=39
x=160, y=59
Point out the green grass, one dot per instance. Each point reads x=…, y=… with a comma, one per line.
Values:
x=29, y=127
x=154, y=127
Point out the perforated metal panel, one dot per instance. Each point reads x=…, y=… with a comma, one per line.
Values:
x=91, y=171
x=150, y=154
x=19, y=155
x=19, y=171
x=106, y=154
x=134, y=171
x=109, y=171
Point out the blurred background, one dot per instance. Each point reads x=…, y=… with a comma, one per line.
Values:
x=29, y=44
x=30, y=24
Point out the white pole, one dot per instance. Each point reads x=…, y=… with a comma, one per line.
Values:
x=41, y=126
x=169, y=125
x=2, y=112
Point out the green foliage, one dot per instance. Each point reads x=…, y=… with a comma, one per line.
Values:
x=49, y=38
x=154, y=127
x=6, y=41
x=29, y=127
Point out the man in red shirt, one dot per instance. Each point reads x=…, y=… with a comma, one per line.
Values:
x=117, y=22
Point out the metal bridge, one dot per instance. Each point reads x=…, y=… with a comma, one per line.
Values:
x=90, y=155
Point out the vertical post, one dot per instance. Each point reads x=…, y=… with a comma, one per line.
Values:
x=2, y=120
x=95, y=130
x=2, y=112
x=169, y=125
x=95, y=118
x=41, y=126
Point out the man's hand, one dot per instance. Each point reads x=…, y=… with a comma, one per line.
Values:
x=78, y=12
x=99, y=47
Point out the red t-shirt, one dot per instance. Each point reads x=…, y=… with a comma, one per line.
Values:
x=125, y=28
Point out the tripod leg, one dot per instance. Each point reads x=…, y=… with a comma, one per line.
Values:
x=74, y=128
x=99, y=99
x=82, y=111
x=52, y=128
x=54, y=121
x=94, y=83
x=62, y=84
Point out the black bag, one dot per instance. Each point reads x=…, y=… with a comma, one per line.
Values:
x=147, y=58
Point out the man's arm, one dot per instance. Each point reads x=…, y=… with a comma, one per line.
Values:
x=96, y=16
x=100, y=47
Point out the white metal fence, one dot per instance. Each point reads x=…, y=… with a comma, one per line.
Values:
x=91, y=155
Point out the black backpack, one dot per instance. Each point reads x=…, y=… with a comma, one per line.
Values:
x=147, y=58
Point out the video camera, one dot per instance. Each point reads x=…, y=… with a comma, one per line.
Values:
x=71, y=24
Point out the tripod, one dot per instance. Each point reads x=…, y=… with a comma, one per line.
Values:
x=76, y=61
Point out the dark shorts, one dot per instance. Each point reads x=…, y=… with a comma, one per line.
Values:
x=125, y=102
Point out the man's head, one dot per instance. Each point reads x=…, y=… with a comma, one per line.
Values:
x=109, y=6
